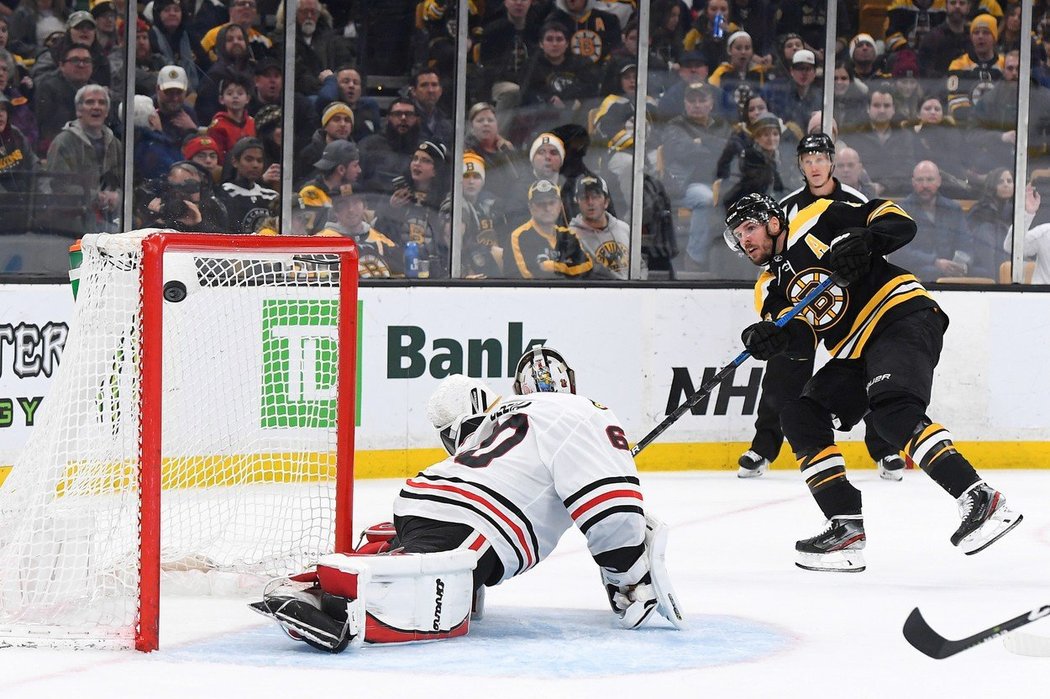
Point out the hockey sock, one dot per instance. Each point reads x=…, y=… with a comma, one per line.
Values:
x=825, y=474
x=932, y=448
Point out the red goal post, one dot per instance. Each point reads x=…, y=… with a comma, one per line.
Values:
x=177, y=344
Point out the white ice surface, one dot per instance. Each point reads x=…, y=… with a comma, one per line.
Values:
x=757, y=625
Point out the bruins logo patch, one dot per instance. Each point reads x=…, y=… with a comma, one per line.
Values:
x=824, y=311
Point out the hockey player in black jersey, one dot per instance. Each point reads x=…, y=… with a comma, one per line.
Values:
x=884, y=334
x=785, y=376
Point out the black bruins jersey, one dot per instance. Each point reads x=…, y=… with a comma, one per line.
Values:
x=844, y=319
x=802, y=197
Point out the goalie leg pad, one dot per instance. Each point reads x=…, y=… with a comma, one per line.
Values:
x=405, y=596
x=656, y=547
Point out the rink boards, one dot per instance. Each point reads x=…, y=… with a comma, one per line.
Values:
x=639, y=351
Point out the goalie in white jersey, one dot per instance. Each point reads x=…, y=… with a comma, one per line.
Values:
x=520, y=472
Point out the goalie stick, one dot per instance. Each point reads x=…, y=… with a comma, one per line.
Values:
x=926, y=640
x=725, y=371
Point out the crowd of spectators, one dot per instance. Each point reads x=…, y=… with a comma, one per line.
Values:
x=925, y=111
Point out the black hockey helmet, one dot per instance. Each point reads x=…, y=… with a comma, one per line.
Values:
x=816, y=143
x=751, y=207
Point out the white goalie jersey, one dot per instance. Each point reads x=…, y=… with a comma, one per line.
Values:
x=537, y=465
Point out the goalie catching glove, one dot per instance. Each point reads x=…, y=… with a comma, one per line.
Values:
x=849, y=257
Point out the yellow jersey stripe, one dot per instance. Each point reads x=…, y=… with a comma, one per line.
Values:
x=806, y=218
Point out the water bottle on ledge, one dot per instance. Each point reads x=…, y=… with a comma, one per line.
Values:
x=719, y=29
x=412, y=259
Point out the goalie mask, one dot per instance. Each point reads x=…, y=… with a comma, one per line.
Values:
x=458, y=407
x=543, y=370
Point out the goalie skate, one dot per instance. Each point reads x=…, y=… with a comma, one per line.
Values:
x=836, y=549
x=985, y=518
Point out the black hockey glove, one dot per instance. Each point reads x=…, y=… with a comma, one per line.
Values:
x=849, y=257
x=765, y=340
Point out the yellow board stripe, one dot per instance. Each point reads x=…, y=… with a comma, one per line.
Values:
x=697, y=456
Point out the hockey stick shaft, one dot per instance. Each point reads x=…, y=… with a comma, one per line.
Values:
x=725, y=371
x=918, y=633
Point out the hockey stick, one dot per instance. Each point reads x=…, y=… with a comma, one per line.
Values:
x=1021, y=643
x=725, y=371
x=926, y=640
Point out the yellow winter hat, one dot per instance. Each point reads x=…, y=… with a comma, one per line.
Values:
x=987, y=21
x=473, y=164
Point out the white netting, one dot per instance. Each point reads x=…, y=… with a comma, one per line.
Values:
x=248, y=437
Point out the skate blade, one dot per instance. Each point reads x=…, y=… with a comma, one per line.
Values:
x=894, y=475
x=851, y=561
x=751, y=472
x=991, y=531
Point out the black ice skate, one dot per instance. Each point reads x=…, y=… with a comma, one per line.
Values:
x=985, y=518
x=837, y=549
x=752, y=464
x=891, y=468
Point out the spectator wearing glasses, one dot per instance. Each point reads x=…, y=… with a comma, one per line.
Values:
x=245, y=13
x=387, y=154
x=55, y=93
x=80, y=29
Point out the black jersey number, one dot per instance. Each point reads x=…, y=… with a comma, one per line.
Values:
x=483, y=454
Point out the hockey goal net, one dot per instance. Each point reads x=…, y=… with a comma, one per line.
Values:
x=202, y=418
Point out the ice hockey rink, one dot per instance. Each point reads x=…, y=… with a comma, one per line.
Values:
x=757, y=625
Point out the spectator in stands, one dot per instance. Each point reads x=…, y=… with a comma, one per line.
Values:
x=613, y=132
x=760, y=167
x=757, y=18
x=989, y=220
x=908, y=92
x=232, y=51
x=387, y=154
x=996, y=115
x=945, y=41
x=412, y=214
x=377, y=255
x=543, y=248
x=206, y=15
x=434, y=125
x=665, y=31
x=888, y=151
x=605, y=239
x=85, y=158
x=508, y=42
x=55, y=93
x=576, y=141
x=691, y=146
x=170, y=38
x=1010, y=29
x=269, y=87
x=203, y=152
x=182, y=204
x=109, y=41
x=703, y=38
x=268, y=129
x=942, y=230
x=334, y=173
x=319, y=50
x=1036, y=239
x=243, y=194
x=80, y=29
x=177, y=116
x=692, y=68
x=809, y=19
x=20, y=112
x=752, y=106
x=738, y=72
x=337, y=123
x=147, y=63
x=787, y=45
x=850, y=171
x=557, y=81
x=940, y=141
x=155, y=151
x=910, y=21
x=975, y=72
x=33, y=20
x=233, y=122
x=864, y=57
x=483, y=224
x=504, y=165
x=244, y=13
x=851, y=98
x=593, y=33
x=799, y=97
x=346, y=85
x=18, y=161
